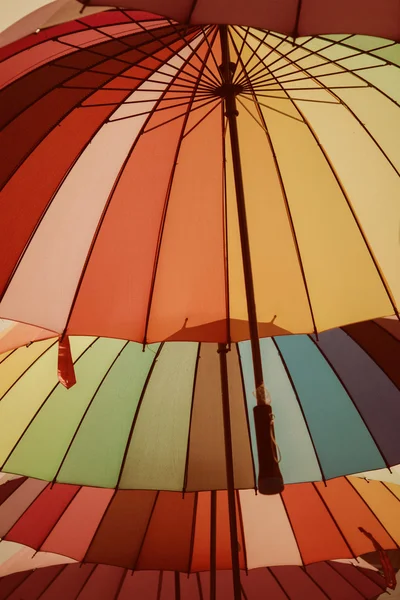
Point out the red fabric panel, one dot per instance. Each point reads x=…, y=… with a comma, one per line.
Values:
x=142, y=585
x=11, y=582
x=168, y=539
x=369, y=583
x=315, y=531
x=297, y=584
x=104, y=585
x=36, y=583
x=69, y=582
x=37, y=522
x=332, y=583
x=120, y=534
x=260, y=583
x=350, y=513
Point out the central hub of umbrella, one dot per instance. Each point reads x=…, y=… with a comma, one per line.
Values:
x=228, y=89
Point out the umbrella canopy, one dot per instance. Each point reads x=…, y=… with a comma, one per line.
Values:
x=303, y=17
x=153, y=419
x=83, y=582
x=116, y=161
x=147, y=530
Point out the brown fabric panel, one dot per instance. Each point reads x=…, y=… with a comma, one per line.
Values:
x=380, y=345
x=242, y=456
x=168, y=540
x=206, y=464
x=391, y=325
x=26, y=90
x=120, y=535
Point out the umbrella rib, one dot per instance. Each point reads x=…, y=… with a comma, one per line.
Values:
x=350, y=207
x=199, y=586
x=98, y=527
x=60, y=516
x=298, y=17
x=56, y=124
x=225, y=228
x=216, y=82
x=353, y=214
x=253, y=53
x=109, y=199
x=331, y=564
x=3, y=465
x=239, y=509
x=166, y=202
x=208, y=113
x=281, y=112
x=290, y=379
x=180, y=35
x=212, y=78
x=191, y=11
x=157, y=496
x=192, y=537
x=246, y=412
x=120, y=584
x=358, y=51
x=315, y=582
x=367, y=352
x=375, y=516
x=330, y=90
x=196, y=368
x=87, y=409
x=349, y=546
x=284, y=79
x=182, y=114
x=15, y=381
x=19, y=583
x=270, y=570
x=52, y=580
x=288, y=212
x=344, y=386
x=135, y=418
x=328, y=61
x=292, y=529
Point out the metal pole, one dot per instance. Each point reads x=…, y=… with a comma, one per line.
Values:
x=270, y=479
x=222, y=350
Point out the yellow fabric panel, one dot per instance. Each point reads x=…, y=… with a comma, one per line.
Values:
x=382, y=502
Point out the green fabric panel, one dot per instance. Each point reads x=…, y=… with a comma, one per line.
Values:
x=157, y=453
x=46, y=440
x=299, y=462
x=96, y=454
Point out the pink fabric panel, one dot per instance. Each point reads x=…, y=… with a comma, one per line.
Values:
x=75, y=530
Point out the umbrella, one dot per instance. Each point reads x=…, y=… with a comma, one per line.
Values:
x=151, y=530
x=127, y=156
x=146, y=238
x=154, y=419
x=304, y=18
x=78, y=582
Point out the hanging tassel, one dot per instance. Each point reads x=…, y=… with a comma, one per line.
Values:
x=387, y=567
x=66, y=371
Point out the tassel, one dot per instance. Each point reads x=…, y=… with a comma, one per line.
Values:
x=387, y=567
x=66, y=371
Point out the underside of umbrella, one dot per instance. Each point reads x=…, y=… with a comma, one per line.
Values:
x=84, y=582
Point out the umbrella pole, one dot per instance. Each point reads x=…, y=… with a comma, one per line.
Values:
x=270, y=479
x=222, y=351
x=213, y=546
